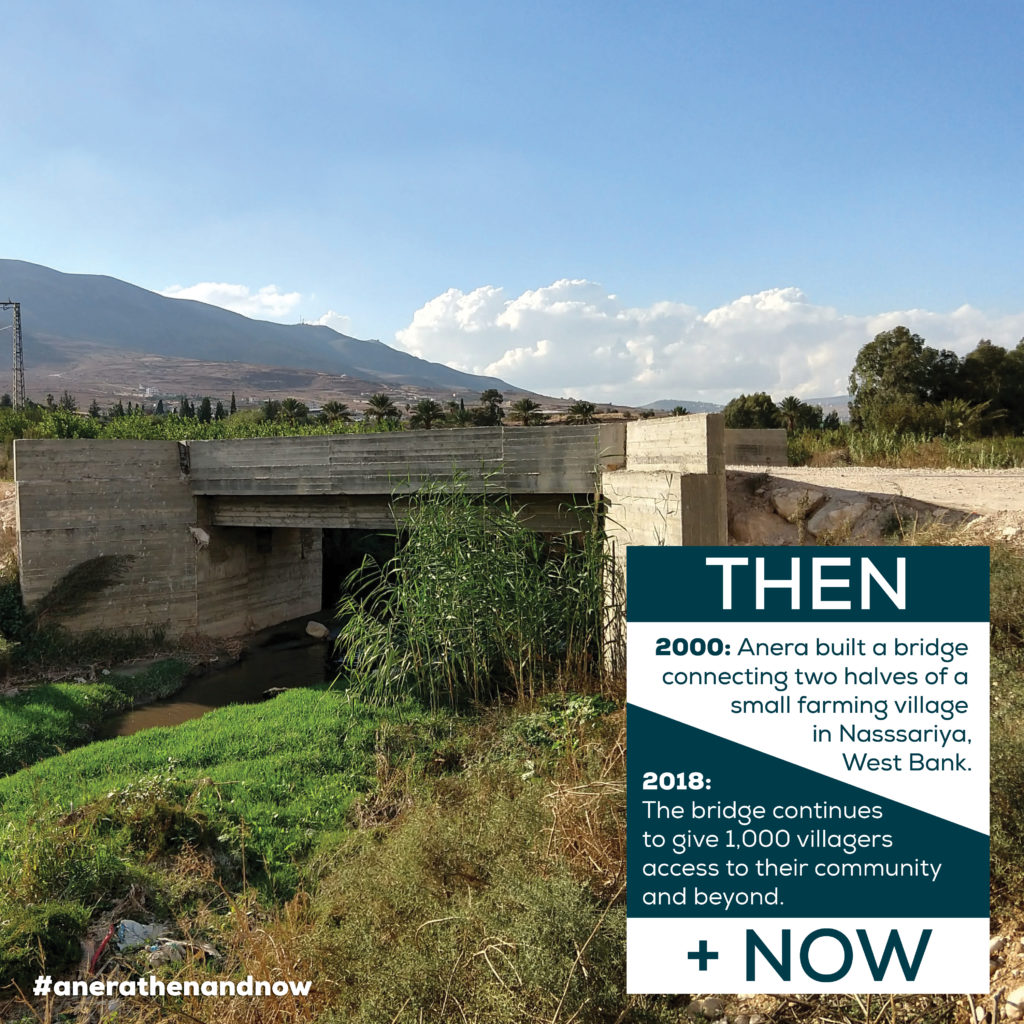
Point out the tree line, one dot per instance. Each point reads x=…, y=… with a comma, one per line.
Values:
x=899, y=384
x=62, y=418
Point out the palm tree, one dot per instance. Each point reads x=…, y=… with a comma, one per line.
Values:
x=790, y=407
x=458, y=415
x=581, y=412
x=381, y=407
x=425, y=413
x=333, y=410
x=294, y=411
x=525, y=411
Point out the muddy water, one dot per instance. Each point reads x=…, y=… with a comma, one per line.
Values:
x=283, y=656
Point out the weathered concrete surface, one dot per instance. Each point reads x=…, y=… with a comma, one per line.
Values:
x=979, y=491
x=756, y=447
x=677, y=444
x=514, y=460
x=546, y=513
x=230, y=541
x=78, y=500
x=672, y=491
x=81, y=499
x=225, y=537
x=251, y=578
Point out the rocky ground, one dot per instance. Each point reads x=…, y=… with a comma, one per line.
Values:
x=864, y=505
x=980, y=492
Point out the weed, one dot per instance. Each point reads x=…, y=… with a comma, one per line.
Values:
x=475, y=604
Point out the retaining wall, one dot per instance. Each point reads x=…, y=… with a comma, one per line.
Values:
x=756, y=447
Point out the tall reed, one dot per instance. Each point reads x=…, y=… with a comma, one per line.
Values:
x=474, y=605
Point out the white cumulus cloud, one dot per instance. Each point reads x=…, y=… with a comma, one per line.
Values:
x=266, y=303
x=336, y=321
x=574, y=338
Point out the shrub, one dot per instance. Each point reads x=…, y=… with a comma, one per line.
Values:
x=474, y=604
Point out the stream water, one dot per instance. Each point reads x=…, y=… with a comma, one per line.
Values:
x=281, y=656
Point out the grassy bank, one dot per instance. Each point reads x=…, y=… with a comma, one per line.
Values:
x=249, y=791
x=52, y=718
x=369, y=844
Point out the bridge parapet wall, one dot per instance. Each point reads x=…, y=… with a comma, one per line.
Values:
x=757, y=447
x=512, y=460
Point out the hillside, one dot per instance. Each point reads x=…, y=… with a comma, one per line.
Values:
x=80, y=331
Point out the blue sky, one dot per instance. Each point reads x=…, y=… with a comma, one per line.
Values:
x=621, y=201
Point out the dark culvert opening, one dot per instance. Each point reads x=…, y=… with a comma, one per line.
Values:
x=344, y=552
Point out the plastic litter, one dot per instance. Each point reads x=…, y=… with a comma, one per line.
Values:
x=165, y=951
x=172, y=951
x=132, y=933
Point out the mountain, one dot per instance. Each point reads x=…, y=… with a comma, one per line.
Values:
x=834, y=403
x=67, y=316
x=668, y=404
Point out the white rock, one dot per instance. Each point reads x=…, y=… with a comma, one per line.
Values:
x=200, y=536
x=1014, y=1004
x=793, y=503
x=837, y=516
x=713, y=1006
x=759, y=526
x=980, y=1013
x=317, y=630
x=996, y=944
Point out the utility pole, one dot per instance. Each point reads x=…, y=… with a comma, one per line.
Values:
x=18, y=373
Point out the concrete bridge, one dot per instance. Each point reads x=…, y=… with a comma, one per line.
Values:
x=227, y=537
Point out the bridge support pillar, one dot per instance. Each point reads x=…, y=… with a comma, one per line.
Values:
x=672, y=491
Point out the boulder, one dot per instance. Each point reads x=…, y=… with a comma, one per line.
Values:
x=1014, y=1004
x=759, y=526
x=317, y=630
x=713, y=1007
x=795, y=503
x=837, y=517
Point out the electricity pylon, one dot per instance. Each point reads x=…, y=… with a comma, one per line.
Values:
x=18, y=373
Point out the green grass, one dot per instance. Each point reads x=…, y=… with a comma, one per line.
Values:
x=903, y=449
x=49, y=719
x=287, y=768
x=257, y=787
